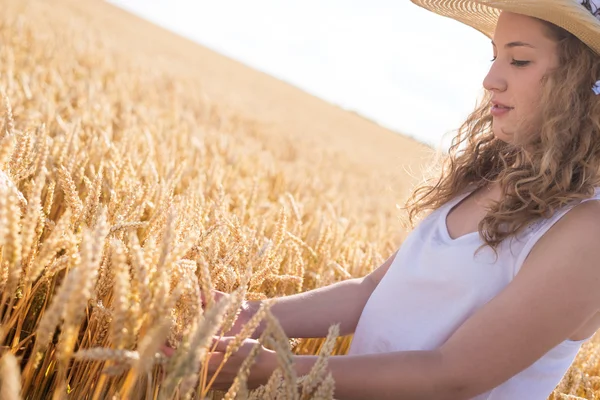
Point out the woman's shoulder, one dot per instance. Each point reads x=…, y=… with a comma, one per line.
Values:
x=581, y=216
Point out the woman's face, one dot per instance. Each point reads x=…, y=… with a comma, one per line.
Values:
x=523, y=54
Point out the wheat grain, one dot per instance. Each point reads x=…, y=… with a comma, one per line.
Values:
x=52, y=315
x=71, y=195
x=326, y=389
x=6, y=149
x=90, y=208
x=9, y=125
x=121, y=290
x=150, y=344
x=32, y=218
x=17, y=160
x=319, y=368
x=285, y=357
x=10, y=381
x=13, y=243
x=190, y=355
x=104, y=354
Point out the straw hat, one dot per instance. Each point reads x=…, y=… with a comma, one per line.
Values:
x=483, y=14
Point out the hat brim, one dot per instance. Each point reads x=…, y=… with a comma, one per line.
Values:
x=483, y=15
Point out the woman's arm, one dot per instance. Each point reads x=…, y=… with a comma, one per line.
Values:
x=310, y=314
x=554, y=294
x=409, y=375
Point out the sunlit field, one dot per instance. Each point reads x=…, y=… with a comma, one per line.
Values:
x=130, y=184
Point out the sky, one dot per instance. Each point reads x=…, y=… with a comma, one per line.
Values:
x=391, y=61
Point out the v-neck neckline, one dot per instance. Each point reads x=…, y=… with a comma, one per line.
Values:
x=444, y=218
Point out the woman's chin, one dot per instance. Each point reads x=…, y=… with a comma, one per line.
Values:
x=501, y=134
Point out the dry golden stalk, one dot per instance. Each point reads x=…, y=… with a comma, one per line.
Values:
x=6, y=149
x=141, y=279
x=49, y=197
x=279, y=341
x=151, y=253
x=164, y=208
x=104, y=354
x=10, y=379
x=295, y=208
x=237, y=298
x=577, y=381
x=160, y=288
x=6, y=182
x=58, y=239
x=186, y=361
x=17, y=160
x=41, y=157
x=324, y=236
x=121, y=290
x=9, y=125
x=126, y=226
x=337, y=267
x=239, y=387
x=205, y=282
x=57, y=265
x=53, y=314
x=90, y=208
x=12, y=249
x=150, y=344
x=71, y=194
x=319, y=369
x=33, y=215
x=280, y=230
x=248, y=329
x=148, y=348
x=275, y=388
x=167, y=240
x=75, y=308
x=4, y=204
x=301, y=243
x=326, y=389
x=67, y=147
x=3, y=275
x=275, y=279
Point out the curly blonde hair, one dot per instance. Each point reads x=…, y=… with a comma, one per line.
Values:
x=538, y=173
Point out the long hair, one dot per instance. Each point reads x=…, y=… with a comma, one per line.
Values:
x=540, y=172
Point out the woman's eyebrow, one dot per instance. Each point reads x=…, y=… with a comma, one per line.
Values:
x=515, y=44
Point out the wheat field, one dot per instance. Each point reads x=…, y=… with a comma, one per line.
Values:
x=133, y=178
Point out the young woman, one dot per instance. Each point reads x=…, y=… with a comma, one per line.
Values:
x=493, y=293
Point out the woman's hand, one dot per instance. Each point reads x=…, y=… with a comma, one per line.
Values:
x=261, y=369
x=247, y=311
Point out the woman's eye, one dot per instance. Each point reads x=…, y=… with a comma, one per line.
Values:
x=517, y=63
x=520, y=63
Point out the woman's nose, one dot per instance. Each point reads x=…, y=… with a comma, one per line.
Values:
x=494, y=80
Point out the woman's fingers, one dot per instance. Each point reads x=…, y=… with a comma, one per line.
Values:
x=216, y=295
x=167, y=350
x=230, y=367
x=221, y=343
x=214, y=360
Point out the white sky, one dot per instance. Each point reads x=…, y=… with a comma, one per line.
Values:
x=406, y=68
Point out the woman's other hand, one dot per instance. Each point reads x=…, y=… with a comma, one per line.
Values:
x=265, y=362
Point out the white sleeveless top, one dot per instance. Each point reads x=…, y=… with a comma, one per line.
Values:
x=435, y=283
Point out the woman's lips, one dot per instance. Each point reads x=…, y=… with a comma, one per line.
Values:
x=498, y=111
